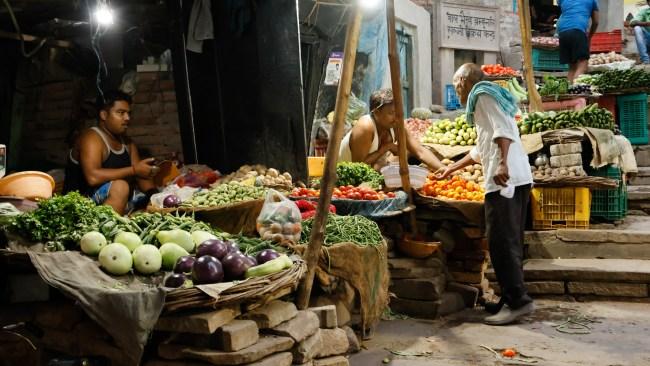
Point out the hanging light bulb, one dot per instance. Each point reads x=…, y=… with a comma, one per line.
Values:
x=104, y=15
x=370, y=4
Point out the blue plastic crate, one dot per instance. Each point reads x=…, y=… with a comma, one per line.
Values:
x=451, y=98
x=632, y=112
x=548, y=60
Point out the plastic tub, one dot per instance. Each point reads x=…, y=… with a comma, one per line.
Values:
x=29, y=184
x=392, y=179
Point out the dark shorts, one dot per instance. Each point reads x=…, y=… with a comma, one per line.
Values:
x=574, y=46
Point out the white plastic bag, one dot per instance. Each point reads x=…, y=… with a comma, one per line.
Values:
x=280, y=219
x=183, y=194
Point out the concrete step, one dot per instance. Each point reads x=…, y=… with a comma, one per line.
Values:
x=638, y=193
x=588, y=244
x=587, y=277
x=642, y=178
x=642, y=154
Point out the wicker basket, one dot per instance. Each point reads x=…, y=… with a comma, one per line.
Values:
x=239, y=217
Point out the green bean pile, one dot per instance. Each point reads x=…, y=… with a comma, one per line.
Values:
x=346, y=229
x=225, y=194
x=147, y=225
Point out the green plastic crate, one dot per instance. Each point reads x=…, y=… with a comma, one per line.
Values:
x=609, y=204
x=548, y=60
x=632, y=113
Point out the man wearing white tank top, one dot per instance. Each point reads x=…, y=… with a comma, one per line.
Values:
x=105, y=164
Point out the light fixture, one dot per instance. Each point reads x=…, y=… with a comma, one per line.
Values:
x=104, y=15
x=370, y=4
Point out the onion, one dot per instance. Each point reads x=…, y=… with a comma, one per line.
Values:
x=171, y=201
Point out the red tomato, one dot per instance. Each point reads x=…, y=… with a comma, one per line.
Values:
x=355, y=196
x=390, y=194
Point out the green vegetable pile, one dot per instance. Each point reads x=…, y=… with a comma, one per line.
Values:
x=225, y=194
x=252, y=246
x=346, y=229
x=353, y=174
x=621, y=79
x=148, y=225
x=59, y=222
x=591, y=116
x=554, y=86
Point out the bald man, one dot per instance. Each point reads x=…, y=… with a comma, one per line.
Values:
x=499, y=149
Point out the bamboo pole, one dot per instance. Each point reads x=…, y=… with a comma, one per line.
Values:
x=312, y=253
x=534, y=99
x=396, y=83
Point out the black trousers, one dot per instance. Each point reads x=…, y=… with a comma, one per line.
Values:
x=505, y=220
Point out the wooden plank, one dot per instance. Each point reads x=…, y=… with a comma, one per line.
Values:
x=29, y=38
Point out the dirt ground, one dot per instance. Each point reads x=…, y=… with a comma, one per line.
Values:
x=618, y=335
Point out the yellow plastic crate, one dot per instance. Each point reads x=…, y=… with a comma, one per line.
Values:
x=560, y=208
x=315, y=166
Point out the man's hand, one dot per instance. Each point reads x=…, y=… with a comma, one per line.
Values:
x=444, y=173
x=501, y=176
x=145, y=168
x=392, y=147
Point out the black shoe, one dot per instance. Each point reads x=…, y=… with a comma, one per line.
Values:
x=494, y=307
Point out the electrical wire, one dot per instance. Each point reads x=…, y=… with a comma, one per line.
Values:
x=20, y=34
x=95, y=37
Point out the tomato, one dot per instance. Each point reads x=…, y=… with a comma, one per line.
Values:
x=509, y=352
x=354, y=196
x=390, y=194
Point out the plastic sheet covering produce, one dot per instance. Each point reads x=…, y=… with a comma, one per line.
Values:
x=372, y=209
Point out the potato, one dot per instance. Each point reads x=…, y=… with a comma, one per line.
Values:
x=273, y=173
x=287, y=176
x=276, y=228
x=278, y=238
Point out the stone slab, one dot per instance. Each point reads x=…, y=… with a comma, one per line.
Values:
x=201, y=323
x=415, y=308
x=266, y=346
x=300, y=327
x=419, y=289
x=332, y=361
x=540, y=288
x=608, y=289
x=606, y=270
x=451, y=302
x=278, y=359
x=355, y=344
x=236, y=335
x=334, y=342
x=604, y=236
x=469, y=293
x=306, y=350
x=559, y=249
x=272, y=314
x=467, y=277
x=416, y=272
x=327, y=316
x=638, y=193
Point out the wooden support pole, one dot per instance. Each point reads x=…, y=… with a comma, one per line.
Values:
x=534, y=99
x=396, y=84
x=29, y=38
x=312, y=253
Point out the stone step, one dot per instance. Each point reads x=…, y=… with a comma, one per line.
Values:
x=638, y=193
x=590, y=244
x=585, y=270
x=642, y=154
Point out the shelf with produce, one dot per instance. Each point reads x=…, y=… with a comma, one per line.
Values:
x=592, y=116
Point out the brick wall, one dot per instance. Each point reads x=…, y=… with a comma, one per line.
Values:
x=55, y=109
x=154, y=121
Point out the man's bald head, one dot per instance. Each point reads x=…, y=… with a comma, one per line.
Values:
x=465, y=78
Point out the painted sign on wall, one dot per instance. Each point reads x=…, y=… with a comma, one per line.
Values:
x=469, y=27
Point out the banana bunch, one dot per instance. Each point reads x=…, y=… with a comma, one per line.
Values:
x=517, y=90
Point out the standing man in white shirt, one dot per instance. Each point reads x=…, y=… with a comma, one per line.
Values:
x=492, y=108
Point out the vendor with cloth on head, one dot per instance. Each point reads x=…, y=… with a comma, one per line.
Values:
x=373, y=136
x=505, y=163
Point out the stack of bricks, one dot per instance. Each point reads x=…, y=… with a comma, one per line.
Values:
x=154, y=123
x=417, y=286
x=276, y=334
x=468, y=262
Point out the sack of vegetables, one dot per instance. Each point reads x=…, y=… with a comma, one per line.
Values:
x=280, y=219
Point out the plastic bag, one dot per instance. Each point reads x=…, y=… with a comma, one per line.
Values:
x=184, y=194
x=280, y=219
x=197, y=176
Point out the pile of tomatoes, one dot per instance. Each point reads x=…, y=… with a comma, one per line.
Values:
x=346, y=192
x=499, y=70
x=455, y=188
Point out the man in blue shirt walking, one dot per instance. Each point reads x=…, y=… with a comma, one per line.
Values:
x=574, y=35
